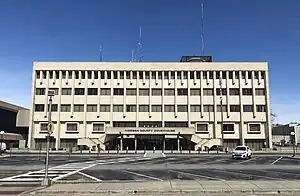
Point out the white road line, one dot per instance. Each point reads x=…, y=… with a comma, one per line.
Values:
x=197, y=175
x=145, y=155
x=276, y=160
x=146, y=176
x=163, y=154
x=92, y=177
x=73, y=172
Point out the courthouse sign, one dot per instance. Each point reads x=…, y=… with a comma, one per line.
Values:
x=149, y=130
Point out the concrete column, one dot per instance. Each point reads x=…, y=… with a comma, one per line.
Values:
x=164, y=143
x=178, y=143
x=121, y=143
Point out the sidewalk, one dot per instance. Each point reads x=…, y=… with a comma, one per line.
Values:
x=188, y=187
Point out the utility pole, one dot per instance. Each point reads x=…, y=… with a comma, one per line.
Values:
x=221, y=103
x=47, y=181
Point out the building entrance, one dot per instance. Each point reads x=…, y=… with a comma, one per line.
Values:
x=149, y=142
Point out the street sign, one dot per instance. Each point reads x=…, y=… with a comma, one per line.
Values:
x=50, y=128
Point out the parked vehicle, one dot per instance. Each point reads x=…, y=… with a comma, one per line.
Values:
x=242, y=152
x=2, y=147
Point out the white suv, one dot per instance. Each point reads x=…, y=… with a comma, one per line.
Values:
x=243, y=152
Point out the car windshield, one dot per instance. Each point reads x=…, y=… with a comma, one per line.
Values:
x=240, y=148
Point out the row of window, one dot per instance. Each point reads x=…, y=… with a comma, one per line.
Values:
x=146, y=108
x=146, y=74
x=154, y=91
x=227, y=127
x=200, y=127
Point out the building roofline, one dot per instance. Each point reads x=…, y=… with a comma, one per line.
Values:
x=11, y=107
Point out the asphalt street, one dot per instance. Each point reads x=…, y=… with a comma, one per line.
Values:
x=75, y=168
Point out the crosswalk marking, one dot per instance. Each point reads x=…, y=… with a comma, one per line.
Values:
x=59, y=172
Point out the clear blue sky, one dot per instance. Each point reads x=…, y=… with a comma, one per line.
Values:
x=72, y=30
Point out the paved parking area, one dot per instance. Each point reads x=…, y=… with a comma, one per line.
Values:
x=137, y=168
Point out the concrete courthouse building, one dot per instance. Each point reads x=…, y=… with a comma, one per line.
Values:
x=141, y=105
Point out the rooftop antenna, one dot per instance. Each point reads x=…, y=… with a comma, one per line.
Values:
x=139, y=51
x=132, y=56
x=202, y=28
x=101, y=54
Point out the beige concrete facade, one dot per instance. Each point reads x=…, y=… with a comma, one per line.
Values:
x=174, y=99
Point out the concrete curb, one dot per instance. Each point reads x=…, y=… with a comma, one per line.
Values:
x=154, y=192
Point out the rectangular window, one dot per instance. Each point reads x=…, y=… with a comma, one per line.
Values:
x=208, y=108
x=92, y=91
x=70, y=74
x=166, y=75
x=262, y=74
x=121, y=74
x=51, y=74
x=195, y=92
x=185, y=75
x=78, y=108
x=224, y=91
x=65, y=108
x=102, y=74
x=55, y=90
x=228, y=127
x=169, y=108
x=153, y=74
x=182, y=108
x=195, y=108
x=156, y=92
x=260, y=108
x=44, y=127
x=57, y=74
x=234, y=91
x=44, y=74
x=211, y=75
x=254, y=127
x=89, y=74
x=130, y=108
x=115, y=74
x=237, y=76
x=147, y=75
x=198, y=76
x=205, y=75
x=72, y=127
x=143, y=92
x=118, y=91
x=191, y=75
x=176, y=124
x=131, y=92
x=118, y=108
x=249, y=74
x=182, y=91
x=231, y=75
x=124, y=124
x=105, y=91
x=134, y=75
x=141, y=75
x=40, y=91
x=208, y=92
x=76, y=74
x=172, y=75
x=79, y=91
x=224, y=108
x=108, y=74
x=96, y=75
x=247, y=91
x=54, y=107
x=169, y=92
x=243, y=75
x=156, y=108
x=82, y=74
x=159, y=75
x=234, y=108
x=260, y=92
x=217, y=75
x=127, y=74
x=202, y=127
x=144, y=108
x=104, y=108
x=178, y=74
x=66, y=91
x=256, y=74
x=98, y=127
x=39, y=107
x=91, y=108
x=38, y=74
x=247, y=108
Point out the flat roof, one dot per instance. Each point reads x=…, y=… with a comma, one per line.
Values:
x=11, y=107
x=153, y=66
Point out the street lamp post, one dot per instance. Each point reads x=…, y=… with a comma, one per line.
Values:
x=47, y=181
x=221, y=105
x=293, y=140
x=2, y=134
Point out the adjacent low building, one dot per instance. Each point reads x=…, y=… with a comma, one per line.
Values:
x=14, y=121
x=281, y=134
x=146, y=105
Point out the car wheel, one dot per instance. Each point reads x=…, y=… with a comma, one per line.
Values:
x=249, y=156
